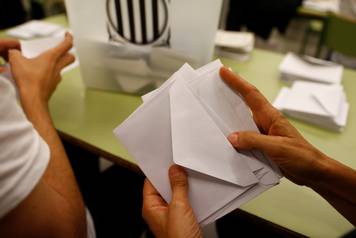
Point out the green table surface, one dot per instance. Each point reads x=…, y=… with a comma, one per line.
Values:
x=89, y=116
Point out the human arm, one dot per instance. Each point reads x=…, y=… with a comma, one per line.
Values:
x=55, y=207
x=298, y=160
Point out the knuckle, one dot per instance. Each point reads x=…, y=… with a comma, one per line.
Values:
x=178, y=204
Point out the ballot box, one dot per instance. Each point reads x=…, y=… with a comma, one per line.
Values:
x=133, y=46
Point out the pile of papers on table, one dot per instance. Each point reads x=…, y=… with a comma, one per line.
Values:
x=306, y=68
x=323, y=5
x=320, y=104
x=235, y=45
x=316, y=95
x=35, y=28
x=186, y=122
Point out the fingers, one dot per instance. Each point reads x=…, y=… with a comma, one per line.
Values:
x=148, y=189
x=179, y=183
x=63, y=48
x=64, y=61
x=8, y=44
x=14, y=56
x=272, y=145
x=151, y=197
x=254, y=99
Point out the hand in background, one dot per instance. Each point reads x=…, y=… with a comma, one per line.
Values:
x=298, y=160
x=173, y=220
x=37, y=78
x=5, y=46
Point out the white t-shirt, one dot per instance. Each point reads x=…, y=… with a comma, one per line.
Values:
x=24, y=155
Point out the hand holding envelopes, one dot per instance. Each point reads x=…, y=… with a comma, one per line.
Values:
x=186, y=122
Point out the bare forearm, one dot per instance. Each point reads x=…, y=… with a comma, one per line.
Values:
x=338, y=179
x=337, y=184
x=59, y=175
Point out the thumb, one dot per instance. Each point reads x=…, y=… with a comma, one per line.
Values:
x=179, y=183
x=248, y=140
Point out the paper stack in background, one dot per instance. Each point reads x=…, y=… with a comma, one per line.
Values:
x=319, y=104
x=186, y=122
x=235, y=45
x=33, y=29
x=306, y=68
x=323, y=5
x=316, y=95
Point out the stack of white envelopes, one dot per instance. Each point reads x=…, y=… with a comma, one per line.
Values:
x=35, y=28
x=320, y=104
x=306, y=68
x=186, y=122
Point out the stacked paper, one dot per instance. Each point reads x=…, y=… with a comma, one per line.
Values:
x=306, y=68
x=186, y=122
x=236, y=45
x=319, y=104
x=323, y=5
x=34, y=29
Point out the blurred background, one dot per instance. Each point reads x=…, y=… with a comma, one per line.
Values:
x=288, y=25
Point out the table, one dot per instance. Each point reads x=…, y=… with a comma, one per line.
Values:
x=87, y=117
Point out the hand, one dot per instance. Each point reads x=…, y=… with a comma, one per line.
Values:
x=5, y=46
x=37, y=78
x=298, y=160
x=173, y=220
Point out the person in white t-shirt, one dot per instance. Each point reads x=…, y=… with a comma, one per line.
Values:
x=39, y=196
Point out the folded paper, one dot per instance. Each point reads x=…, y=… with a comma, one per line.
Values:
x=186, y=122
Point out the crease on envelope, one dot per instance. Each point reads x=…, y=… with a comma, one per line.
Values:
x=330, y=99
x=148, y=136
x=231, y=114
x=201, y=71
x=185, y=71
x=199, y=144
x=207, y=194
x=250, y=194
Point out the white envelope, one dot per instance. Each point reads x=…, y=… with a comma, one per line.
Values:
x=153, y=153
x=198, y=144
x=157, y=135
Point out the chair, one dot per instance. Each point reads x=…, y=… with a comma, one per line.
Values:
x=145, y=23
x=339, y=35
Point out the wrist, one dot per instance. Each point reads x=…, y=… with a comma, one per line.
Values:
x=324, y=168
x=33, y=105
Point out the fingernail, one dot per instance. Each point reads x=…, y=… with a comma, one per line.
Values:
x=233, y=138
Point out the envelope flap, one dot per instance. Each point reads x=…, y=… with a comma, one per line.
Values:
x=198, y=144
x=330, y=99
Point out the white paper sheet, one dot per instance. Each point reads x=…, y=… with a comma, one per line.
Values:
x=294, y=67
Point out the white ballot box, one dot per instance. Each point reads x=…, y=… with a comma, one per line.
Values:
x=135, y=45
